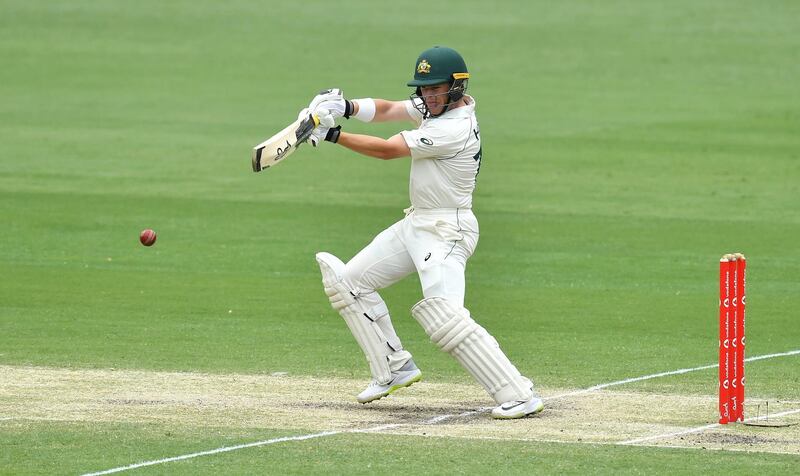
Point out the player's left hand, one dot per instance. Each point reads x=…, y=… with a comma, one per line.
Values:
x=326, y=121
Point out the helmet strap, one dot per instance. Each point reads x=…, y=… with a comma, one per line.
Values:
x=457, y=89
x=455, y=94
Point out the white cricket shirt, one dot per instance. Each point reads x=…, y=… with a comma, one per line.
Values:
x=445, y=157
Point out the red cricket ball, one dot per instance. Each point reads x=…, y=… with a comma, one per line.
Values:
x=147, y=237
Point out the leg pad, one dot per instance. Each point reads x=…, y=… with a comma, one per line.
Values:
x=455, y=332
x=367, y=317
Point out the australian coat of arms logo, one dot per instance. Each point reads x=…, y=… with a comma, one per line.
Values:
x=424, y=67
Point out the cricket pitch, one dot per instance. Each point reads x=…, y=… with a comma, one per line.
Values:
x=425, y=409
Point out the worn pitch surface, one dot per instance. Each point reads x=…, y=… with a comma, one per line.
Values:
x=317, y=404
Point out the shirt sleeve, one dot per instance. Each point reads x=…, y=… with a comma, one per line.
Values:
x=429, y=142
x=413, y=112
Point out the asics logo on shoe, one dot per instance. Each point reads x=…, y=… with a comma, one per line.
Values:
x=427, y=257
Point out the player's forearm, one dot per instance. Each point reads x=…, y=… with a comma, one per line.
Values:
x=385, y=110
x=374, y=146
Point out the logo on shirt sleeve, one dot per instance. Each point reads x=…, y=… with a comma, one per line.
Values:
x=426, y=141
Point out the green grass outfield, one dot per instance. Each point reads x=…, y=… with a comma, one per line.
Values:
x=627, y=146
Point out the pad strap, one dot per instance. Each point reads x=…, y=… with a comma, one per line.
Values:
x=455, y=332
x=379, y=314
x=367, y=317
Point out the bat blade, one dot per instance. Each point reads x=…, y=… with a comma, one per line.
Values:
x=283, y=144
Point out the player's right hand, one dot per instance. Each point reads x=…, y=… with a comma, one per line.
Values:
x=333, y=100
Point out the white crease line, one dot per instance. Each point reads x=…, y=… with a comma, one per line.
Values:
x=605, y=443
x=376, y=429
x=437, y=419
x=769, y=356
x=664, y=374
x=218, y=450
x=699, y=429
x=667, y=435
x=442, y=418
x=431, y=421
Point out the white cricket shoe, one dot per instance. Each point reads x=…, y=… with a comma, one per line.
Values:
x=407, y=375
x=518, y=409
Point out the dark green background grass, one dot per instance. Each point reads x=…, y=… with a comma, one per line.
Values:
x=627, y=145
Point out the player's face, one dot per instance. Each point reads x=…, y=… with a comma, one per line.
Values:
x=435, y=97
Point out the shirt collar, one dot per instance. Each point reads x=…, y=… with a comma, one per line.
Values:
x=463, y=111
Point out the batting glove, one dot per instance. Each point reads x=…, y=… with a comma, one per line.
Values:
x=326, y=123
x=334, y=101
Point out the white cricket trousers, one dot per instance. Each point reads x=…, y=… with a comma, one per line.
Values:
x=435, y=243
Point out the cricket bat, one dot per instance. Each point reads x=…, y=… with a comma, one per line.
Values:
x=284, y=143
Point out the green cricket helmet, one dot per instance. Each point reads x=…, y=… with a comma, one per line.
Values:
x=440, y=65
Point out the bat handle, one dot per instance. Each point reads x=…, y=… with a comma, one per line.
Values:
x=305, y=129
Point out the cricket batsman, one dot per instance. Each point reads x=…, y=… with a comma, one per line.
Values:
x=436, y=238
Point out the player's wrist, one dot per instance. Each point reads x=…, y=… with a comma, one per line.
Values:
x=365, y=109
x=348, y=108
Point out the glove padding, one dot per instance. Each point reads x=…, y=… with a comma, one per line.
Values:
x=326, y=122
x=333, y=100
